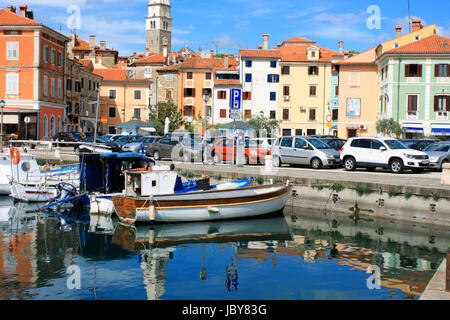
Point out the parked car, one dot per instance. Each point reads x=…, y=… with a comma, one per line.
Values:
x=304, y=151
x=123, y=140
x=418, y=144
x=136, y=146
x=190, y=149
x=323, y=136
x=101, y=145
x=375, y=152
x=439, y=153
x=265, y=143
x=162, y=148
x=223, y=151
x=67, y=137
x=335, y=143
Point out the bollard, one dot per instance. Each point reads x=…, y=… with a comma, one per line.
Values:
x=445, y=174
x=58, y=152
x=268, y=166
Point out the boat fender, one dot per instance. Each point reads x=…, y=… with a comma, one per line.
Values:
x=15, y=156
x=213, y=209
x=151, y=212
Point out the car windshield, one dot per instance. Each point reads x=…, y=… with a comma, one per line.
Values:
x=319, y=144
x=123, y=139
x=440, y=147
x=395, y=144
x=103, y=139
x=250, y=144
x=408, y=143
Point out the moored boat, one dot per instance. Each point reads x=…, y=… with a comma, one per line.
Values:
x=142, y=203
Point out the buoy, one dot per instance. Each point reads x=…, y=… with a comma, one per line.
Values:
x=15, y=156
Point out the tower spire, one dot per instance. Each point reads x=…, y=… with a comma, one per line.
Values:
x=158, y=26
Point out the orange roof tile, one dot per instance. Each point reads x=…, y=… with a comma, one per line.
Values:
x=84, y=46
x=260, y=53
x=112, y=74
x=366, y=57
x=299, y=53
x=431, y=44
x=226, y=82
x=156, y=58
x=10, y=18
x=298, y=39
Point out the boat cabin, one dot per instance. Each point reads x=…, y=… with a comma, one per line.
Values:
x=155, y=181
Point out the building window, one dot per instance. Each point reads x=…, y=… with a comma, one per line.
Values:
x=221, y=95
x=298, y=132
x=313, y=70
x=412, y=105
x=286, y=91
x=169, y=77
x=248, y=63
x=248, y=114
x=112, y=112
x=53, y=56
x=189, y=75
x=12, y=83
x=273, y=96
x=137, y=94
x=273, y=78
x=285, y=114
x=413, y=70
x=12, y=51
x=46, y=54
x=77, y=86
x=441, y=103
x=442, y=70
x=335, y=114
x=59, y=88
x=52, y=125
x=45, y=126
x=272, y=114
x=189, y=92
x=45, y=86
x=353, y=78
x=112, y=93
x=312, y=114
x=246, y=95
x=286, y=133
x=311, y=132
x=168, y=94
x=188, y=110
x=248, y=77
x=223, y=113
x=208, y=76
x=312, y=91
x=137, y=113
x=273, y=64
x=336, y=91
x=60, y=59
x=53, y=87
x=285, y=70
x=59, y=124
x=69, y=85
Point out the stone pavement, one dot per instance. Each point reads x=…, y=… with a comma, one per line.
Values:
x=436, y=287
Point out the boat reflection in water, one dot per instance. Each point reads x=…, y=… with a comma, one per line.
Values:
x=301, y=255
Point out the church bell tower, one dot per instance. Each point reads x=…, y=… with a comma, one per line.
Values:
x=158, y=26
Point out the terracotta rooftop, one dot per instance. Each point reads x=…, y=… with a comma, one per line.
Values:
x=82, y=45
x=156, y=58
x=431, y=44
x=299, y=53
x=260, y=53
x=10, y=18
x=366, y=57
x=227, y=82
x=112, y=74
x=298, y=39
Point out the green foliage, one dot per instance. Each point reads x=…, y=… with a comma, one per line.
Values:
x=269, y=125
x=408, y=195
x=188, y=174
x=436, y=197
x=260, y=180
x=390, y=127
x=393, y=193
x=218, y=177
x=166, y=109
x=362, y=190
x=337, y=187
x=318, y=185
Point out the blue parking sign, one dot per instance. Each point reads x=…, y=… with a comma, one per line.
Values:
x=236, y=99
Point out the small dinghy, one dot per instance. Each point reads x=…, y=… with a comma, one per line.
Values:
x=144, y=201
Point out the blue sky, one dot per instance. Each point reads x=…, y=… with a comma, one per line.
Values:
x=228, y=25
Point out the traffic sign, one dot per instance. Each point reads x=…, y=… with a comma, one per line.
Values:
x=329, y=124
x=235, y=116
x=104, y=120
x=236, y=99
x=27, y=120
x=235, y=111
x=329, y=118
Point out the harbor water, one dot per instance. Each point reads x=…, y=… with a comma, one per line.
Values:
x=292, y=256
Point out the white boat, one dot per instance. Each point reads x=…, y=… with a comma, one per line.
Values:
x=143, y=201
x=36, y=192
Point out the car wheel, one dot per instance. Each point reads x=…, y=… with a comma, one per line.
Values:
x=276, y=162
x=396, y=166
x=316, y=163
x=350, y=164
x=442, y=164
x=216, y=158
x=156, y=155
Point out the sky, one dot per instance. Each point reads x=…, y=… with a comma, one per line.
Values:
x=229, y=25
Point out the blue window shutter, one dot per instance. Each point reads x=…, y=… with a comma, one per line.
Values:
x=268, y=78
x=277, y=78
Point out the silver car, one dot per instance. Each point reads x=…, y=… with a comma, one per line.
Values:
x=439, y=154
x=138, y=145
x=304, y=151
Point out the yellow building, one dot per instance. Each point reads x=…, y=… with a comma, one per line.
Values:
x=122, y=99
x=305, y=87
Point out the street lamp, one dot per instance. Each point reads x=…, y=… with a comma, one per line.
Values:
x=2, y=105
x=206, y=97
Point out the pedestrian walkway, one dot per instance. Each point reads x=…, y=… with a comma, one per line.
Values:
x=435, y=289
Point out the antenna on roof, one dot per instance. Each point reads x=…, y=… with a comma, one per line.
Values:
x=409, y=17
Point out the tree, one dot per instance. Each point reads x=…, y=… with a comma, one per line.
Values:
x=267, y=124
x=166, y=109
x=390, y=127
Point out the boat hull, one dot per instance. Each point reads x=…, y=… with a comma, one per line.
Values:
x=27, y=193
x=203, y=206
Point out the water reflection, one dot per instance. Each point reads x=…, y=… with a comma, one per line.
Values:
x=302, y=255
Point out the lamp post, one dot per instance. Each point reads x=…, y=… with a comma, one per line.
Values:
x=2, y=105
x=97, y=103
x=206, y=97
x=262, y=119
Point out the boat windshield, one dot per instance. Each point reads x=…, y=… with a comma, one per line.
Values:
x=395, y=144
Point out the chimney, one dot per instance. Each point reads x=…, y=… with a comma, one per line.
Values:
x=91, y=42
x=226, y=61
x=259, y=47
x=346, y=54
x=266, y=41
x=103, y=45
x=398, y=31
x=416, y=25
x=341, y=45
x=147, y=51
x=212, y=54
x=23, y=10
x=279, y=45
x=165, y=48
x=12, y=9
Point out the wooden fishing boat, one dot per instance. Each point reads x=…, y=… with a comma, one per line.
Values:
x=140, y=202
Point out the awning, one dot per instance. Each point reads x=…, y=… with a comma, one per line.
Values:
x=413, y=127
x=440, y=129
